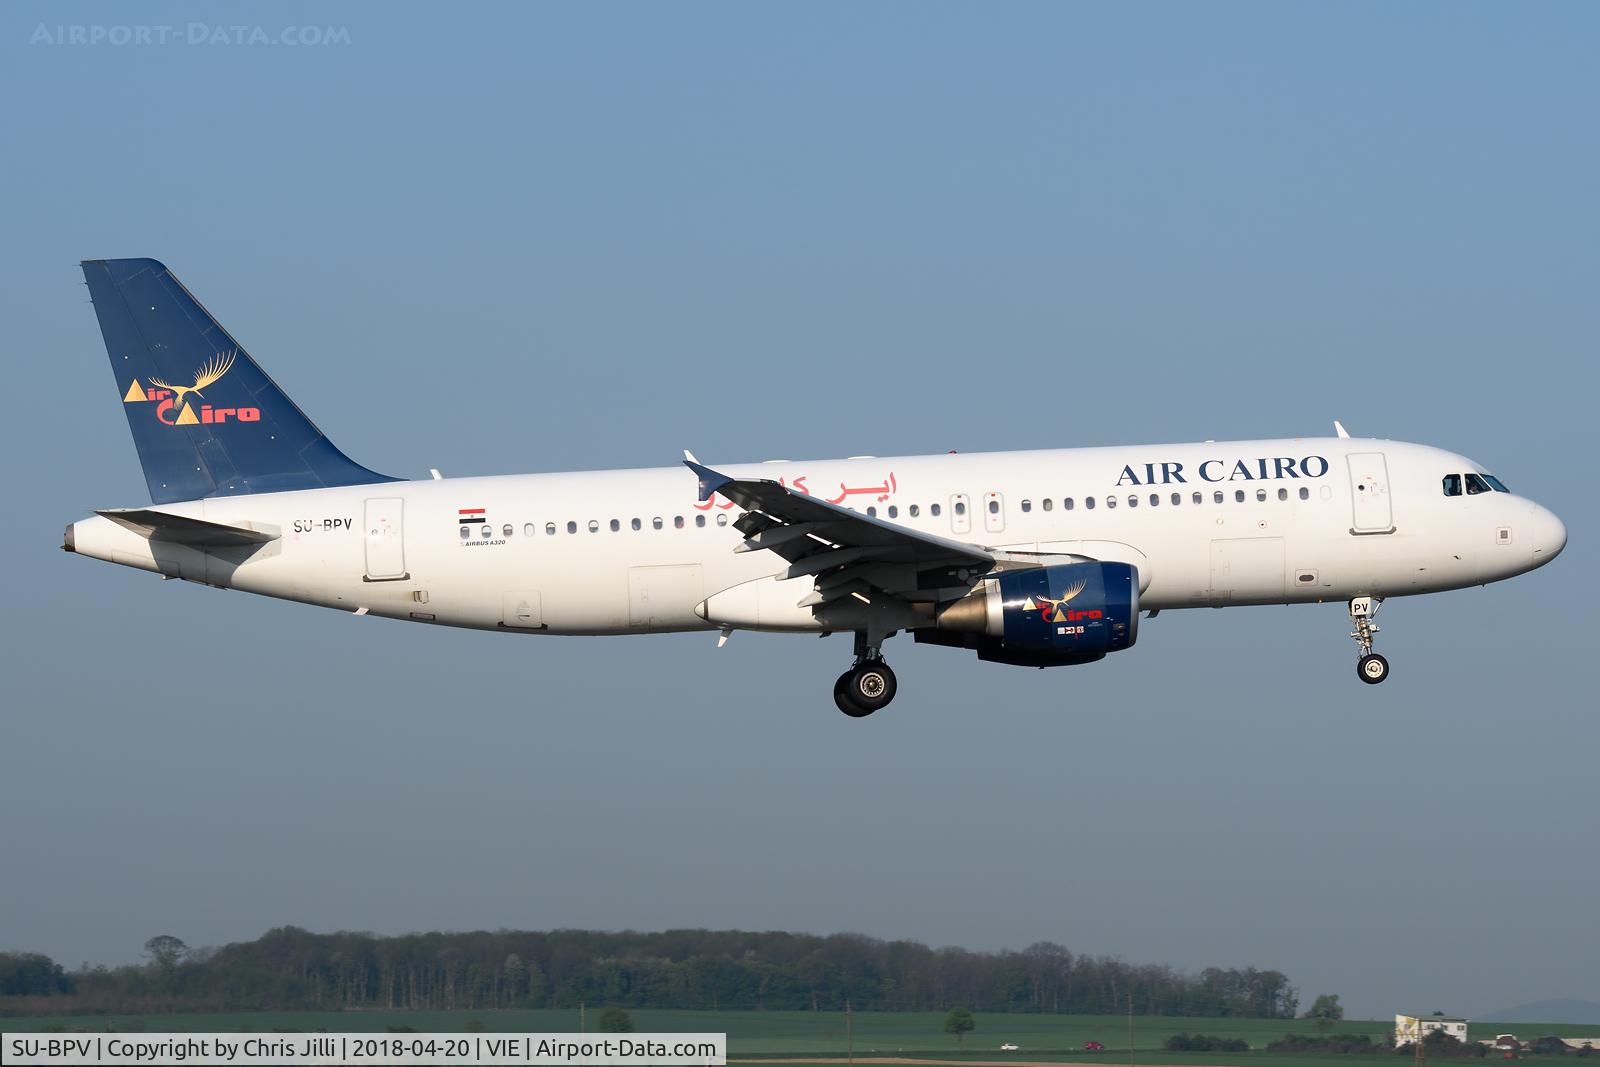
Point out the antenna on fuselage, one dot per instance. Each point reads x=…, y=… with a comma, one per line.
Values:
x=1338, y=428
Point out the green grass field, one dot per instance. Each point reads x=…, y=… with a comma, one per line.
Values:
x=754, y=1034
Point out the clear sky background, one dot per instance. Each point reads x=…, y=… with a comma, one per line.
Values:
x=534, y=237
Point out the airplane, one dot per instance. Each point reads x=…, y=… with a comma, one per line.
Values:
x=1036, y=559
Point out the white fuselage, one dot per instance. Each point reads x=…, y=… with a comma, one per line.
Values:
x=633, y=551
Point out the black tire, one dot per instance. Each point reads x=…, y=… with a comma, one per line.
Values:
x=870, y=685
x=1372, y=668
x=841, y=697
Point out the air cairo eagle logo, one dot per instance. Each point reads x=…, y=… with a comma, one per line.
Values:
x=1056, y=610
x=173, y=406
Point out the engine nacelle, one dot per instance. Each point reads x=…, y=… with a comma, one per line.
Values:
x=1046, y=616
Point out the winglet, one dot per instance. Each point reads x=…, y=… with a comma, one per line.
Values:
x=710, y=480
x=1338, y=428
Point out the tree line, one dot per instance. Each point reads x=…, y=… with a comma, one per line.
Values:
x=292, y=969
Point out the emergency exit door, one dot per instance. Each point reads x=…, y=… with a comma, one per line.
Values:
x=994, y=512
x=1369, y=494
x=386, y=549
x=960, y=520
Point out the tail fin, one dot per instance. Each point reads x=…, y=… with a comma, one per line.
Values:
x=206, y=419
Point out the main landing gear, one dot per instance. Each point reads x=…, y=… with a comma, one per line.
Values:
x=1371, y=667
x=867, y=686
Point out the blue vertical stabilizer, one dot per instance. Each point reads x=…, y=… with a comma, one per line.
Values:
x=206, y=419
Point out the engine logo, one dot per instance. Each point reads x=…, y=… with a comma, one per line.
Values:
x=1055, y=610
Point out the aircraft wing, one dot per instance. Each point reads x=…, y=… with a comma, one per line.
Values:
x=845, y=551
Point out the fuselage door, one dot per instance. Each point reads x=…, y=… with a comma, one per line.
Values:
x=1247, y=569
x=386, y=550
x=1369, y=493
x=665, y=597
x=994, y=512
x=522, y=610
x=960, y=513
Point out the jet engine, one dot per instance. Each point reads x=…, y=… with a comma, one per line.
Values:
x=1044, y=616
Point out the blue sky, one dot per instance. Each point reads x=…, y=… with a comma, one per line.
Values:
x=540, y=237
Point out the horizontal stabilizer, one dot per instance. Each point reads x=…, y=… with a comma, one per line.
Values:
x=181, y=530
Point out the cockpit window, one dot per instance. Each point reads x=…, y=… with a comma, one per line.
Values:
x=1452, y=485
x=1476, y=485
x=1496, y=484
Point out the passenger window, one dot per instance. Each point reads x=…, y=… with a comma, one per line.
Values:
x=636, y=524
x=677, y=522
x=1238, y=496
x=933, y=509
x=1197, y=499
x=1066, y=504
x=1283, y=494
x=722, y=518
x=961, y=507
x=505, y=531
x=1047, y=504
x=914, y=511
x=1133, y=500
x=994, y=507
x=1155, y=499
x=1111, y=501
x=1177, y=498
x=699, y=520
x=1261, y=494
x=894, y=512
x=872, y=512
x=485, y=532
x=550, y=528
x=1027, y=506
x=1452, y=485
x=1216, y=498
x=615, y=525
x=466, y=532
x=1305, y=494
x=572, y=527
x=528, y=529
x=1088, y=503
x=594, y=525
x=1476, y=485
x=655, y=523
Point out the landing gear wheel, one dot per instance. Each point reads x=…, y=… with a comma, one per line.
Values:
x=1372, y=668
x=864, y=688
x=841, y=697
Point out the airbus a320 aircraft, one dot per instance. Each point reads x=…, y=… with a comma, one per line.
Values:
x=1038, y=559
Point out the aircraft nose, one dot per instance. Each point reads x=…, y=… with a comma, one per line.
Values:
x=1549, y=535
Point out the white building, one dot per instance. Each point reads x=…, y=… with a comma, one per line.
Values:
x=1412, y=1028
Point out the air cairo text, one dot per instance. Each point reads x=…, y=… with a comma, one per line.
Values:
x=1219, y=470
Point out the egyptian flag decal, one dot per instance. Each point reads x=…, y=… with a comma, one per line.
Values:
x=472, y=516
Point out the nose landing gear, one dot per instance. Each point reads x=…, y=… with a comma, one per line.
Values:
x=868, y=685
x=1371, y=667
